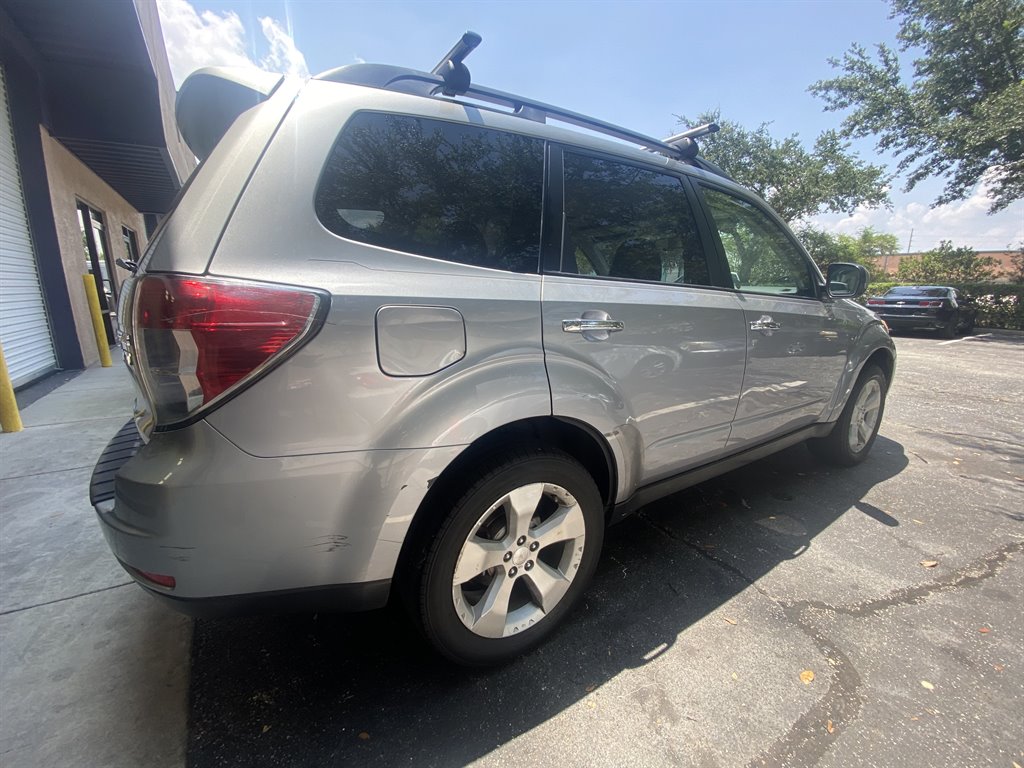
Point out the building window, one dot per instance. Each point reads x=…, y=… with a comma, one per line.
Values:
x=131, y=245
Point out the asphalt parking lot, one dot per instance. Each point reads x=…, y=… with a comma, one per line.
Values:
x=708, y=608
x=785, y=614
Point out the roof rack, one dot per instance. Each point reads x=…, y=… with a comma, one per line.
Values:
x=451, y=78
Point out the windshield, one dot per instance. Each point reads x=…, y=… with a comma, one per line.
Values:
x=914, y=290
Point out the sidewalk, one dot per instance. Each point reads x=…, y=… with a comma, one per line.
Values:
x=92, y=671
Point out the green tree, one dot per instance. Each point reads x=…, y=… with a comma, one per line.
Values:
x=947, y=264
x=794, y=181
x=867, y=248
x=961, y=115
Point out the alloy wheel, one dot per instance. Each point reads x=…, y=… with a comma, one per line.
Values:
x=519, y=559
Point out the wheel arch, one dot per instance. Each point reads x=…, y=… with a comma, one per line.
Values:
x=575, y=438
x=883, y=359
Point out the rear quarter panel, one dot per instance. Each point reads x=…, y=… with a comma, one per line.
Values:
x=332, y=395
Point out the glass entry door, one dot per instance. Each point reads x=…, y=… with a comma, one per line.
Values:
x=98, y=264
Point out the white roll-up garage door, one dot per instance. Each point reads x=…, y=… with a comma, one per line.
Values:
x=24, y=328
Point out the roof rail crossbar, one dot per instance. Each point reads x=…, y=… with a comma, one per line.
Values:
x=694, y=133
x=451, y=67
x=430, y=84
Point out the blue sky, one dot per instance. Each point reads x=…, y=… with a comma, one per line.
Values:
x=634, y=63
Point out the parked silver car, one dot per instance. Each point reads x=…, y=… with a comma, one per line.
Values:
x=402, y=336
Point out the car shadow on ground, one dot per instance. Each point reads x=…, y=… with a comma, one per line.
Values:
x=363, y=689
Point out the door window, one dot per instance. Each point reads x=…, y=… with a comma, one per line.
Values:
x=451, y=191
x=629, y=222
x=762, y=259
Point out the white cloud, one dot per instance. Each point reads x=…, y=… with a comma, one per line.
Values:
x=206, y=39
x=284, y=56
x=965, y=222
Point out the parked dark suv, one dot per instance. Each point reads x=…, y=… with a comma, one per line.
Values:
x=401, y=336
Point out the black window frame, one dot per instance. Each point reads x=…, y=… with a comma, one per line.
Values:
x=817, y=280
x=553, y=259
x=462, y=124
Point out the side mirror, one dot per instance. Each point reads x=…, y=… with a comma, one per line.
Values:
x=846, y=281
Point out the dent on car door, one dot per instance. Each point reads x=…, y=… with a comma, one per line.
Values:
x=636, y=341
x=796, y=345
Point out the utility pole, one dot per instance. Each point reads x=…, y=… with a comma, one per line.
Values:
x=911, y=239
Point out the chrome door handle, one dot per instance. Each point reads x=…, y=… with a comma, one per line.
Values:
x=764, y=323
x=585, y=325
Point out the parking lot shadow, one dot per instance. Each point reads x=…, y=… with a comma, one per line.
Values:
x=363, y=689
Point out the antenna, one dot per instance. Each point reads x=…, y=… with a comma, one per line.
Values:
x=451, y=69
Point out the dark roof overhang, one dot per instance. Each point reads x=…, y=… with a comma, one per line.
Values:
x=101, y=95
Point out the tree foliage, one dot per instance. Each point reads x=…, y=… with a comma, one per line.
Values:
x=961, y=115
x=866, y=248
x=794, y=181
x=946, y=264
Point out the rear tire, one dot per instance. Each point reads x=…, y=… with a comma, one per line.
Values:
x=511, y=558
x=950, y=330
x=850, y=440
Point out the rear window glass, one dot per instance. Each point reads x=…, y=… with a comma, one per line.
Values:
x=429, y=187
x=911, y=290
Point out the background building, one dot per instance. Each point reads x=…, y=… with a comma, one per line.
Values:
x=890, y=264
x=90, y=158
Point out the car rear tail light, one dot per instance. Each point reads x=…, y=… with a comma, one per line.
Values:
x=199, y=339
x=931, y=303
x=875, y=302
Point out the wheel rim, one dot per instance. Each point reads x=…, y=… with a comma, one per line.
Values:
x=864, y=418
x=518, y=561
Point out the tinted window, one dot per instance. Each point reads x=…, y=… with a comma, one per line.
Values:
x=761, y=257
x=909, y=290
x=629, y=222
x=438, y=189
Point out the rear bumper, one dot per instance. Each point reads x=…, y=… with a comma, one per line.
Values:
x=238, y=533
x=336, y=597
x=909, y=322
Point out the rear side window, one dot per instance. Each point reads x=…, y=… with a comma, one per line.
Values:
x=628, y=222
x=445, y=190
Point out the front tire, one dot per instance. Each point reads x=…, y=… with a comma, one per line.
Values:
x=850, y=440
x=511, y=559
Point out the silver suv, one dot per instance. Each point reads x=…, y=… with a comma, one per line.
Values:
x=400, y=336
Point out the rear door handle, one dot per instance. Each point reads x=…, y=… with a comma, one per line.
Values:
x=586, y=325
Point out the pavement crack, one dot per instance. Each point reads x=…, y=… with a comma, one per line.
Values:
x=982, y=438
x=808, y=738
x=65, y=599
x=703, y=552
x=969, y=575
x=47, y=472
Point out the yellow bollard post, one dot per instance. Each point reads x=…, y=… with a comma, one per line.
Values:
x=97, y=320
x=10, y=419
